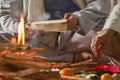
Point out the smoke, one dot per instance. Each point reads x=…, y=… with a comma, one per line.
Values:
x=44, y=17
x=37, y=33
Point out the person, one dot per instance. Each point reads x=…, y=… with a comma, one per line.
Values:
x=86, y=22
x=107, y=41
x=56, y=9
x=72, y=41
x=64, y=46
x=10, y=11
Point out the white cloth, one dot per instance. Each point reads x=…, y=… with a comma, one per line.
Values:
x=94, y=12
x=113, y=22
x=34, y=10
x=89, y=19
x=80, y=3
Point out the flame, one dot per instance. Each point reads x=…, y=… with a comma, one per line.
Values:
x=21, y=31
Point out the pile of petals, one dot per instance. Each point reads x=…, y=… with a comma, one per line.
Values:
x=108, y=67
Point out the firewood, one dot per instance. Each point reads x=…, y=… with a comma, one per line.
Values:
x=8, y=46
x=25, y=57
x=80, y=66
x=7, y=74
x=86, y=62
x=29, y=50
x=25, y=64
x=18, y=56
x=19, y=48
x=26, y=72
x=45, y=76
x=6, y=39
x=39, y=58
x=77, y=70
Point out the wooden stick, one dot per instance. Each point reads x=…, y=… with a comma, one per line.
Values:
x=46, y=76
x=26, y=64
x=26, y=72
x=19, y=48
x=86, y=62
x=24, y=57
x=7, y=74
x=18, y=56
x=77, y=70
x=5, y=38
x=30, y=50
x=8, y=46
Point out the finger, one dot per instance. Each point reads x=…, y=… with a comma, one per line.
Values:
x=96, y=46
x=28, y=25
x=72, y=22
x=67, y=15
x=92, y=46
x=92, y=42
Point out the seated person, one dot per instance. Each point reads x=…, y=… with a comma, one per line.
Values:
x=88, y=20
x=58, y=47
x=107, y=41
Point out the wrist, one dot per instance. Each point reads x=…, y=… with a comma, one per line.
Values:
x=110, y=31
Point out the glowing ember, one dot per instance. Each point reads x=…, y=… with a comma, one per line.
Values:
x=14, y=40
x=21, y=32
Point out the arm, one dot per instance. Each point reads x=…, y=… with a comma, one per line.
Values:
x=102, y=41
x=8, y=24
x=91, y=16
x=113, y=21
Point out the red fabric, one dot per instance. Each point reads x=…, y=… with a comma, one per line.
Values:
x=108, y=67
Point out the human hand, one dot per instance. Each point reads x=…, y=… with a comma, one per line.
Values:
x=30, y=33
x=101, y=41
x=71, y=20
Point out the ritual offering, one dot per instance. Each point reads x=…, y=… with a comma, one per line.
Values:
x=50, y=25
x=19, y=61
x=99, y=72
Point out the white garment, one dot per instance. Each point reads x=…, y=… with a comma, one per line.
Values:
x=113, y=22
x=89, y=19
x=80, y=3
x=34, y=10
x=93, y=14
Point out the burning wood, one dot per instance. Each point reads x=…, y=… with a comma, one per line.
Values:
x=25, y=57
x=26, y=66
x=6, y=39
x=19, y=48
x=30, y=50
x=22, y=66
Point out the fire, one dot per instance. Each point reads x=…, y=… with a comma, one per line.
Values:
x=14, y=40
x=21, y=32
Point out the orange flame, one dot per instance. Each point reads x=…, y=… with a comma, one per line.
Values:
x=21, y=31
